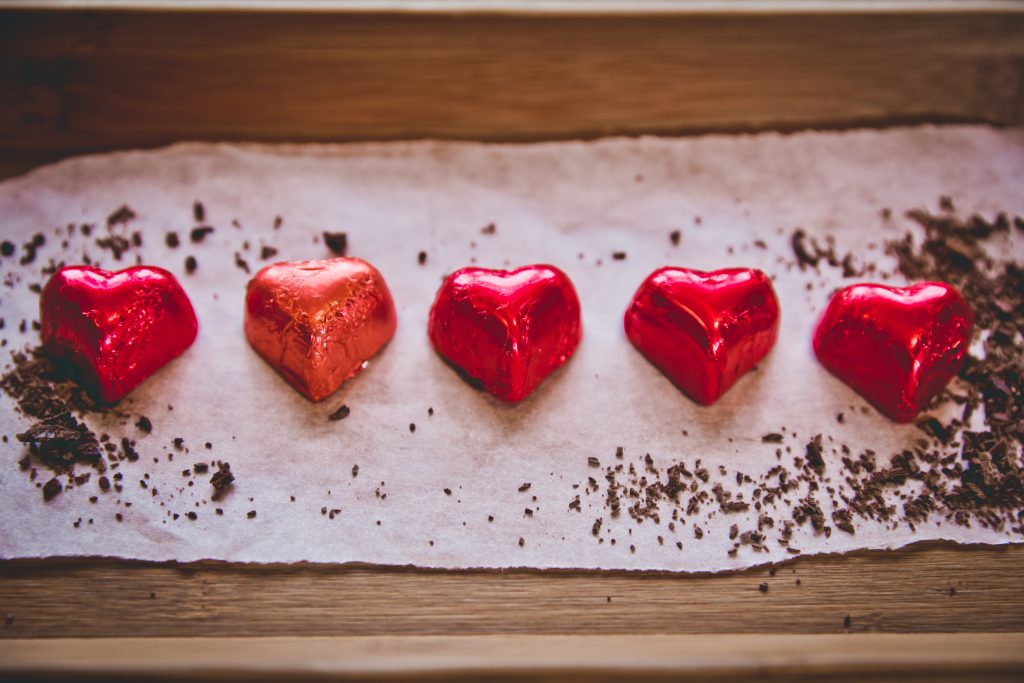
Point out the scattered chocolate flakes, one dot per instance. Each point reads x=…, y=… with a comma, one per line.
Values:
x=809, y=252
x=593, y=462
x=675, y=236
x=337, y=242
x=192, y=515
x=773, y=437
x=421, y=258
x=525, y=487
x=412, y=427
x=267, y=252
x=171, y=240
x=814, y=452
x=241, y=263
x=198, y=211
x=251, y=514
x=144, y=424
x=489, y=229
x=619, y=255
x=116, y=244
x=355, y=471
x=340, y=414
x=191, y=264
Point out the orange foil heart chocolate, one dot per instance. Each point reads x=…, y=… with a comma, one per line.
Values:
x=317, y=322
x=506, y=330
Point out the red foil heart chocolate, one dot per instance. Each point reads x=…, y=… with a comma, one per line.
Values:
x=317, y=322
x=115, y=329
x=897, y=347
x=704, y=330
x=506, y=329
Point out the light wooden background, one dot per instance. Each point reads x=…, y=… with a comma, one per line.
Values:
x=79, y=81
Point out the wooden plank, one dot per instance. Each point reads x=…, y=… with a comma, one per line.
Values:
x=77, y=81
x=536, y=6
x=902, y=591
x=731, y=657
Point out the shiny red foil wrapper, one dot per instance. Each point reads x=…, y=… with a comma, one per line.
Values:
x=506, y=330
x=115, y=329
x=704, y=330
x=317, y=322
x=896, y=347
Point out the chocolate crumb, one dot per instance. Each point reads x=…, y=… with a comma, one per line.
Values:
x=619, y=255
x=191, y=515
x=773, y=437
x=52, y=489
x=337, y=242
x=267, y=252
x=846, y=621
x=412, y=427
x=421, y=257
x=198, y=211
x=191, y=264
x=199, y=234
x=488, y=229
x=763, y=587
x=340, y=414
x=221, y=480
x=171, y=240
x=121, y=215
x=522, y=541
x=525, y=487
x=241, y=263
x=144, y=424
x=593, y=462
x=675, y=236
x=250, y=514
x=355, y=471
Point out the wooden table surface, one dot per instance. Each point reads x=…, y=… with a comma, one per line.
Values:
x=904, y=591
x=902, y=605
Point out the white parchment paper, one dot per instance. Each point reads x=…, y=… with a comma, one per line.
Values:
x=571, y=204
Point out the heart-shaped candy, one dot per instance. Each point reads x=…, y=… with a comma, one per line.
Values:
x=317, y=322
x=704, y=330
x=115, y=329
x=506, y=329
x=897, y=347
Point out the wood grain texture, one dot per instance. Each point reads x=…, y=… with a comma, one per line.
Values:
x=77, y=81
x=902, y=591
x=536, y=6
x=730, y=657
